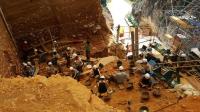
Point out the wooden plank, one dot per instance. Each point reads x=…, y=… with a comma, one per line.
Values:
x=180, y=22
x=91, y=59
x=168, y=36
x=179, y=62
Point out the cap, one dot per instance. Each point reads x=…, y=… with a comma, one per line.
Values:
x=102, y=77
x=74, y=55
x=95, y=66
x=71, y=68
x=35, y=50
x=29, y=63
x=147, y=76
x=25, y=64
x=144, y=60
x=183, y=55
x=50, y=63
x=121, y=68
x=68, y=48
x=54, y=50
x=89, y=66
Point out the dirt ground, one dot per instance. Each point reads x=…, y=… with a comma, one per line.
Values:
x=55, y=94
x=120, y=98
x=63, y=94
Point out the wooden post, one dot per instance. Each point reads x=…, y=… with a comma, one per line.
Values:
x=118, y=32
x=133, y=44
x=132, y=62
x=136, y=43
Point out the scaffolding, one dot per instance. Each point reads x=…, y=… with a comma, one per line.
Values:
x=183, y=18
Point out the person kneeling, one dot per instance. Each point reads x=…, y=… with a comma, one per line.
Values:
x=102, y=86
x=146, y=81
x=121, y=76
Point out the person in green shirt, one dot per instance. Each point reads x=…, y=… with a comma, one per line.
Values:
x=87, y=50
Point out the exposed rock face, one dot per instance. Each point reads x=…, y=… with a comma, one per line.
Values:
x=61, y=94
x=69, y=20
x=8, y=53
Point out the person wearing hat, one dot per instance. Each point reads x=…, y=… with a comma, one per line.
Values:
x=24, y=48
x=121, y=76
x=31, y=68
x=149, y=49
x=166, y=57
x=25, y=69
x=78, y=63
x=67, y=55
x=75, y=73
x=87, y=50
x=95, y=72
x=55, y=57
x=102, y=86
x=51, y=69
x=183, y=57
x=55, y=43
x=146, y=81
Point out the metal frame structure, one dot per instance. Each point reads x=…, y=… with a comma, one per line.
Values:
x=187, y=10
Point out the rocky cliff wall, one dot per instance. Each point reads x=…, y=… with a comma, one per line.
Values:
x=39, y=20
x=9, y=61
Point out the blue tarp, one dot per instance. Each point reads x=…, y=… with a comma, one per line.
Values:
x=194, y=23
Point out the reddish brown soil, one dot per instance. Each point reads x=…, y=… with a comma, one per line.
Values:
x=119, y=98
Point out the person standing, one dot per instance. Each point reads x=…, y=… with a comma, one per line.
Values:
x=67, y=56
x=87, y=51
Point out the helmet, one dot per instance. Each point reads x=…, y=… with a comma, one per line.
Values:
x=95, y=66
x=55, y=41
x=71, y=68
x=25, y=42
x=183, y=55
x=29, y=63
x=102, y=77
x=89, y=66
x=50, y=63
x=144, y=60
x=25, y=64
x=147, y=76
x=54, y=50
x=68, y=48
x=74, y=55
x=121, y=68
x=35, y=50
